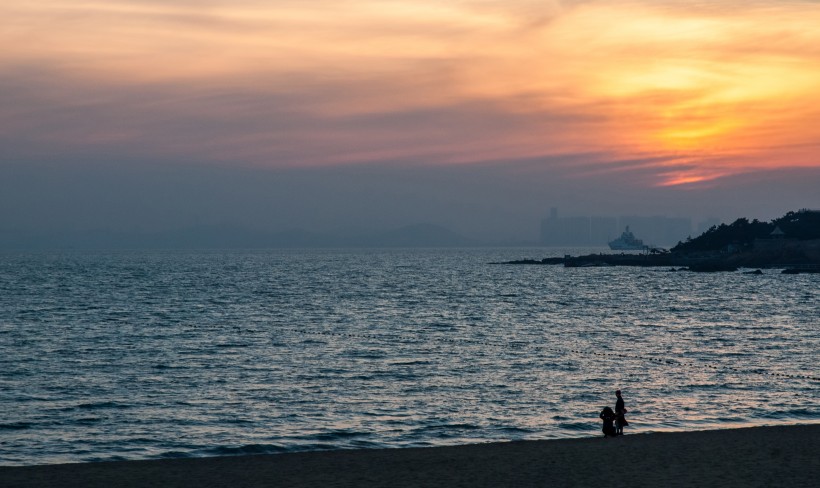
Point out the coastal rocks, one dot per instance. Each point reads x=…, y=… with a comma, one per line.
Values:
x=801, y=270
x=535, y=261
x=643, y=260
x=712, y=267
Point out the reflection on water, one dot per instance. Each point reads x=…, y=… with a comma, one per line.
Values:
x=137, y=355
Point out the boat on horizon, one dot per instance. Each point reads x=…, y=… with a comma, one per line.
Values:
x=627, y=242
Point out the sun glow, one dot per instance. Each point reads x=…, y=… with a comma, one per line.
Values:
x=334, y=82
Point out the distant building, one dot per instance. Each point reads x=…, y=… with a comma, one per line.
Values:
x=598, y=230
x=777, y=241
x=603, y=230
x=658, y=230
x=565, y=231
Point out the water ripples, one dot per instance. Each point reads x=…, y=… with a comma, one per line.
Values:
x=147, y=355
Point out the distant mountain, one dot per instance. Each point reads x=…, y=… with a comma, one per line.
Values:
x=233, y=237
x=418, y=235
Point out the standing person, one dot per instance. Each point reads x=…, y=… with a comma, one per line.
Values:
x=608, y=416
x=620, y=412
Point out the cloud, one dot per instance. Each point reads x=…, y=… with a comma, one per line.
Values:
x=693, y=92
x=309, y=122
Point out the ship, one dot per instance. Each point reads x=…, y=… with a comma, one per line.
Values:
x=627, y=242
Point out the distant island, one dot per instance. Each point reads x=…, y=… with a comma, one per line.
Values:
x=791, y=242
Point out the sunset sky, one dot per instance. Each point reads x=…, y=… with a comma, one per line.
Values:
x=674, y=100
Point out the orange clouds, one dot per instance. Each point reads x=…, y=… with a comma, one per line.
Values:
x=721, y=90
x=724, y=88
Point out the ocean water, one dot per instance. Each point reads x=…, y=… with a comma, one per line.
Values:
x=136, y=355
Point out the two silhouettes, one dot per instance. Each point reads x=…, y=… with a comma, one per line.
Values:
x=614, y=422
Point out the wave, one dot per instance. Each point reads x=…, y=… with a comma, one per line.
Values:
x=578, y=426
x=517, y=430
x=337, y=435
x=16, y=425
x=244, y=450
x=444, y=431
x=419, y=362
x=793, y=414
x=102, y=405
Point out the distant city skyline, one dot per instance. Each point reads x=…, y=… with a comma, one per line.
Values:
x=555, y=230
x=598, y=230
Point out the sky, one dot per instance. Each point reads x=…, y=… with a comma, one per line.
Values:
x=478, y=115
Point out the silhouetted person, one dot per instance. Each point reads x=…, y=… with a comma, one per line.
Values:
x=620, y=412
x=608, y=416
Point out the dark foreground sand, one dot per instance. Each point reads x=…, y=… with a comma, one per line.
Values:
x=764, y=456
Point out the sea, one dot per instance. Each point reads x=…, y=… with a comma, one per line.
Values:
x=157, y=354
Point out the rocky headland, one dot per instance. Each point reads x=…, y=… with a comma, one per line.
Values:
x=791, y=242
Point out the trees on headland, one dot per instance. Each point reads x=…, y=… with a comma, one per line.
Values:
x=791, y=242
x=801, y=225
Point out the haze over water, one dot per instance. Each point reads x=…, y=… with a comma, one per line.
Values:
x=156, y=354
x=146, y=116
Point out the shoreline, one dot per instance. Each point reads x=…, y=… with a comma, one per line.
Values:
x=750, y=456
x=675, y=262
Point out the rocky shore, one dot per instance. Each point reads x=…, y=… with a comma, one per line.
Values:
x=790, y=243
x=682, y=262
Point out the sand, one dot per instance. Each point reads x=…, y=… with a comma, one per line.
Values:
x=787, y=456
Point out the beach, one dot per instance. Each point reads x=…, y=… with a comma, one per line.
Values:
x=787, y=456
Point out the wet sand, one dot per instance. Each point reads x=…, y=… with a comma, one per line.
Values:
x=787, y=456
